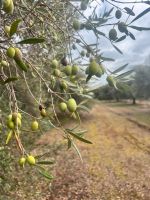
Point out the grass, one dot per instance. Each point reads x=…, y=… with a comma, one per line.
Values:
x=136, y=112
x=142, y=117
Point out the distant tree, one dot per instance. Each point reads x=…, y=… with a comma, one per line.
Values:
x=123, y=91
x=142, y=81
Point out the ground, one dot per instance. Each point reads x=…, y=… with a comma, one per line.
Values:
x=116, y=166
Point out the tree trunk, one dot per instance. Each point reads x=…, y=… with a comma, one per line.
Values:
x=133, y=101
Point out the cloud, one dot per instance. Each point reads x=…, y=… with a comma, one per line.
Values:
x=134, y=52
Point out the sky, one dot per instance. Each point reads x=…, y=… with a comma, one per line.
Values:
x=136, y=51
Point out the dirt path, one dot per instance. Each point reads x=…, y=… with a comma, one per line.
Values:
x=116, y=166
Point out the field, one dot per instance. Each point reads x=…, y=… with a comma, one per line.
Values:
x=116, y=166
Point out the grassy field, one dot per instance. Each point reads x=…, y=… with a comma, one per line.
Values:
x=116, y=166
x=139, y=112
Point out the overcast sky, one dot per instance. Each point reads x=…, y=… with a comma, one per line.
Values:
x=134, y=51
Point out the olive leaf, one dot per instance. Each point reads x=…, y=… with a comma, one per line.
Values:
x=117, y=49
x=125, y=73
x=140, y=28
x=69, y=143
x=14, y=27
x=107, y=59
x=77, y=150
x=131, y=35
x=21, y=65
x=1, y=3
x=10, y=79
x=106, y=14
x=88, y=78
x=98, y=32
x=45, y=162
x=78, y=137
x=140, y=15
x=44, y=173
x=121, y=38
x=83, y=108
x=32, y=41
x=120, y=69
x=129, y=11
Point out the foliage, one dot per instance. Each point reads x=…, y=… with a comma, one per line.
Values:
x=138, y=87
x=142, y=81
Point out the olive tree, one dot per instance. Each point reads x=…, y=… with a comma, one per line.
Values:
x=43, y=53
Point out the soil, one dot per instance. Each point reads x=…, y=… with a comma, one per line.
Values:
x=115, y=167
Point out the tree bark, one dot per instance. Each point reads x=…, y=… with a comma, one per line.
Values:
x=133, y=100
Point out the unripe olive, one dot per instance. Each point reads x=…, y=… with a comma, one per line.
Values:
x=83, y=5
x=64, y=61
x=40, y=107
x=76, y=24
x=8, y=6
x=74, y=46
x=68, y=70
x=22, y=161
x=73, y=79
x=63, y=85
x=9, y=117
x=75, y=69
x=113, y=34
x=89, y=49
x=57, y=72
x=14, y=116
x=18, y=122
x=7, y=30
x=99, y=72
x=34, y=126
x=10, y=124
x=122, y=27
x=82, y=53
x=6, y=3
x=78, y=41
x=4, y=63
x=118, y=14
x=18, y=54
x=63, y=106
x=43, y=112
x=72, y=105
x=10, y=52
x=110, y=80
x=31, y=160
x=93, y=68
x=54, y=63
x=19, y=115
